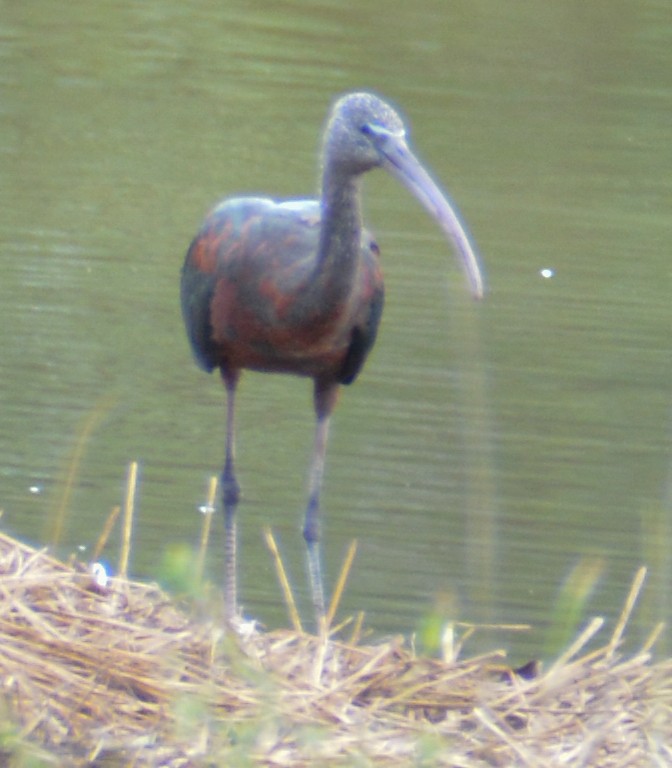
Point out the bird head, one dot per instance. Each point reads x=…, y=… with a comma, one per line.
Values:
x=364, y=132
x=358, y=129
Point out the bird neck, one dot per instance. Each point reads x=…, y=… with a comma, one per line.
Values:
x=340, y=236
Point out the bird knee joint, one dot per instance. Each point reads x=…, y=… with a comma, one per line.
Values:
x=230, y=489
x=311, y=528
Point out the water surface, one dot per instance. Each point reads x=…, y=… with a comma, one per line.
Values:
x=487, y=449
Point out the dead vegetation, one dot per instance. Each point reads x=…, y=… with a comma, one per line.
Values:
x=119, y=675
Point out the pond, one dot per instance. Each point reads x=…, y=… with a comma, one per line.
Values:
x=489, y=452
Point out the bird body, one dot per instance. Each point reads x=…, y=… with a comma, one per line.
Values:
x=296, y=287
x=255, y=295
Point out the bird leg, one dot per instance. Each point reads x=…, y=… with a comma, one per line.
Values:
x=230, y=497
x=325, y=399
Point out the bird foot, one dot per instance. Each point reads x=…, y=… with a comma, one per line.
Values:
x=244, y=628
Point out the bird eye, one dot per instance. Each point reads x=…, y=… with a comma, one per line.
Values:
x=366, y=129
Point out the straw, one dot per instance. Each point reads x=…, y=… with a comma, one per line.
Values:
x=105, y=533
x=208, y=512
x=129, y=509
x=341, y=582
x=284, y=581
x=89, y=678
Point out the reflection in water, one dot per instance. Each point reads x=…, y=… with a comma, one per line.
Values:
x=483, y=454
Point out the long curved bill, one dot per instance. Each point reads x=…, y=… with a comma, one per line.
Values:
x=398, y=159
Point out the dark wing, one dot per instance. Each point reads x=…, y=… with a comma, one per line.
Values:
x=196, y=291
x=364, y=334
x=242, y=240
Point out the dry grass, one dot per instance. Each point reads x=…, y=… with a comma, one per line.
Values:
x=122, y=676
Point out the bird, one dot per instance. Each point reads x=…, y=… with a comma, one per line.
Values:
x=295, y=286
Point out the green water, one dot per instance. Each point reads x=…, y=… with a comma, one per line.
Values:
x=486, y=449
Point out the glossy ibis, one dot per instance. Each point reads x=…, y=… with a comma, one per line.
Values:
x=296, y=287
